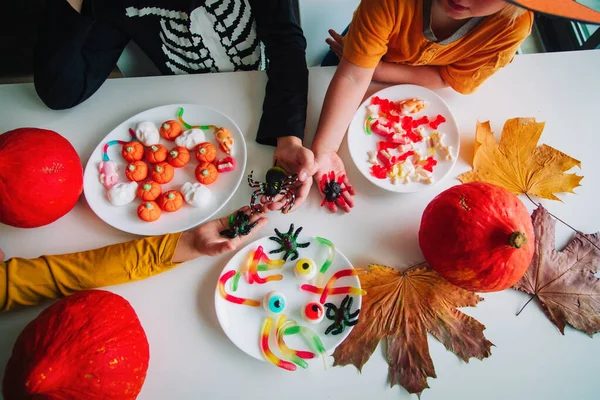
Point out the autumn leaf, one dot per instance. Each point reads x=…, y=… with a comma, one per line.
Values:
x=401, y=307
x=518, y=164
x=564, y=281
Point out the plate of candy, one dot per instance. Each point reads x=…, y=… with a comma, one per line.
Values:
x=166, y=169
x=289, y=299
x=404, y=138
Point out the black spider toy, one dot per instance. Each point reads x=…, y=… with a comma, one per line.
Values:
x=238, y=225
x=289, y=243
x=341, y=317
x=277, y=181
x=332, y=189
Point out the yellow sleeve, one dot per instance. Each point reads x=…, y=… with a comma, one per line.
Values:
x=26, y=282
x=367, y=39
x=466, y=75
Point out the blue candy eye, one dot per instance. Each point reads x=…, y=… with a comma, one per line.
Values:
x=274, y=302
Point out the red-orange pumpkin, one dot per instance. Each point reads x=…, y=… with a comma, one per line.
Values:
x=478, y=236
x=41, y=177
x=89, y=345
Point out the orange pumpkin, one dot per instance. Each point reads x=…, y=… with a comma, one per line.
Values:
x=136, y=171
x=179, y=157
x=162, y=172
x=149, y=211
x=156, y=153
x=206, y=173
x=133, y=151
x=170, y=129
x=149, y=191
x=170, y=201
x=205, y=152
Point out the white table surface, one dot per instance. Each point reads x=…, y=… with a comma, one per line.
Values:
x=191, y=358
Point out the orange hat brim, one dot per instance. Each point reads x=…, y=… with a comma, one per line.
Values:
x=563, y=8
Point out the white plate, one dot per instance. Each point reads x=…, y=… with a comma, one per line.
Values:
x=125, y=218
x=359, y=143
x=242, y=324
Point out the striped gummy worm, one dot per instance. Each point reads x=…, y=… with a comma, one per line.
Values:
x=340, y=274
x=188, y=126
x=333, y=291
x=293, y=355
x=328, y=261
x=266, y=352
x=105, y=156
x=237, y=300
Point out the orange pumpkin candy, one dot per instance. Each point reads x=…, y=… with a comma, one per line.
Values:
x=133, y=151
x=149, y=211
x=162, y=172
x=205, y=152
x=170, y=201
x=170, y=129
x=149, y=191
x=206, y=173
x=179, y=157
x=136, y=171
x=156, y=153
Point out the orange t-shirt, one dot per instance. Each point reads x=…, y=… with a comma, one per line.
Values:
x=392, y=30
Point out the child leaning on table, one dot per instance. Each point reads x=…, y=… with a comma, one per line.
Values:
x=25, y=282
x=431, y=43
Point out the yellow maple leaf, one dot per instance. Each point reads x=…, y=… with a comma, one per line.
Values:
x=518, y=164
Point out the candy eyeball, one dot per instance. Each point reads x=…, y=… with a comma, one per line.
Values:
x=313, y=312
x=305, y=269
x=274, y=302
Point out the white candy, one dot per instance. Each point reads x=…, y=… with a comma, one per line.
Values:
x=191, y=138
x=196, y=194
x=147, y=133
x=122, y=193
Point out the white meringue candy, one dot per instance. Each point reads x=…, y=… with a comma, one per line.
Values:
x=191, y=138
x=122, y=193
x=147, y=133
x=196, y=194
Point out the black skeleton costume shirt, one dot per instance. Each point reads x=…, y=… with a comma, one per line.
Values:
x=77, y=51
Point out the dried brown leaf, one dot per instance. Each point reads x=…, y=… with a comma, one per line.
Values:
x=401, y=307
x=564, y=281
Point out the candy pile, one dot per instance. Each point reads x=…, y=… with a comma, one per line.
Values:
x=407, y=146
x=151, y=164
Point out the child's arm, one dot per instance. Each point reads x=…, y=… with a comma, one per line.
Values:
x=427, y=76
x=26, y=282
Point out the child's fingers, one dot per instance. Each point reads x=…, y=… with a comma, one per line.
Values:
x=336, y=36
x=348, y=199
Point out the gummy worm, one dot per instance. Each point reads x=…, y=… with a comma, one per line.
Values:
x=132, y=134
x=267, y=353
x=237, y=300
x=328, y=261
x=296, y=356
x=259, y=255
x=311, y=337
x=340, y=274
x=338, y=290
x=105, y=156
x=368, y=130
x=188, y=126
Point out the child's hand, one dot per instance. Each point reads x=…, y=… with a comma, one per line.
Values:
x=330, y=161
x=335, y=43
x=292, y=156
x=206, y=240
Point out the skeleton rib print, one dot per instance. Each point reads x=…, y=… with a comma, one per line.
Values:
x=218, y=36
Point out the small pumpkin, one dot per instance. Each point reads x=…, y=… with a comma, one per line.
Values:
x=156, y=153
x=170, y=201
x=478, y=236
x=162, y=172
x=136, y=171
x=205, y=152
x=89, y=345
x=149, y=211
x=41, y=177
x=179, y=157
x=206, y=173
x=133, y=151
x=149, y=191
x=170, y=129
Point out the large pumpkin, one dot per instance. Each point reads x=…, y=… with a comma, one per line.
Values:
x=478, y=236
x=41, y=177
x=87, y=346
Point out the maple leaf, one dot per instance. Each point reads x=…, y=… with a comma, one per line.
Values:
x=402, y=307
x=518, y=164
x=564, y=281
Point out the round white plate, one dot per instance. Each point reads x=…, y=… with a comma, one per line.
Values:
x=242, y=324
x=125, y=217
x=359, y=143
